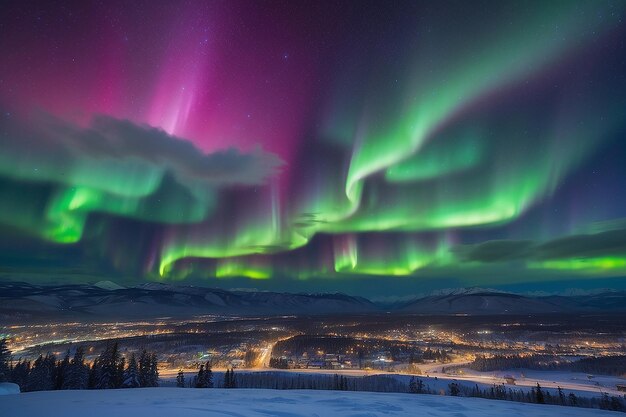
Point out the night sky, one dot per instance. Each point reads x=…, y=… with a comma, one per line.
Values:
x=381, y=148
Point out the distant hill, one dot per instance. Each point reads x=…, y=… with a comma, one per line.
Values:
x=22, y=301
x=477, y=301
x=108, y=285
x=155, y=300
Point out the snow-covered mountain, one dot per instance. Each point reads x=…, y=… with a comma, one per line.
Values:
x=22, y=301
x=155, y=299
x=477, y=301
x=108, y=285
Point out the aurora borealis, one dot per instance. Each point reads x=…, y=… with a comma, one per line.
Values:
x=369, y=147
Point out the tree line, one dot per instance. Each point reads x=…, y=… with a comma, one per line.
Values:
x=109, y=370
x=384, y=383
x=204, y=378
x=606, y=365
x=285, y=381
x=536, y=395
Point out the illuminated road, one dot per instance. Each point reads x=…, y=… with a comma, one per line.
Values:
x=263, y=361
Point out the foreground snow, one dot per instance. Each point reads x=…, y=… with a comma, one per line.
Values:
x=7, y=388
x=168, y=402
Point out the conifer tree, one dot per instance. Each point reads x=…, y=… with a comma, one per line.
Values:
x=561, y=396
x=416, y=386
x=180, y=379
x=108, y=368
x=61, y=371
x=41, y=376
x=34, y=381
x=153, y=374
x=229, y=379
x=201, y=381
x=5, y=357
x=120, y=373
x=144, y=369
x=208, y=376
x=539, y=395
x=20, y=372
x=233, y=380
x=77, y=373
x=197, y=380
x=93, y=375
x=131, y=374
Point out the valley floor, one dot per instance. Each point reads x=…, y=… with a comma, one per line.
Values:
x=187, y=402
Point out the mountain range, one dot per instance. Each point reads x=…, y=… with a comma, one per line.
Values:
x=107, y=300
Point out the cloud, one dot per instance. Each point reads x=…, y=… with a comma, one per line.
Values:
x=124, y=138
x=608, y=243
x=605, y=225
x=495, y=251
x=52, y=148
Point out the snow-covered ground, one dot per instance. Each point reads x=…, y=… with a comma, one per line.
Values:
x=7, y=388
x=187, y=402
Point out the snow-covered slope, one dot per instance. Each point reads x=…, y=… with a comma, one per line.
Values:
x=187, y=402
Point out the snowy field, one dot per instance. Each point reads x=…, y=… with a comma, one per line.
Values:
x=183, y=402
